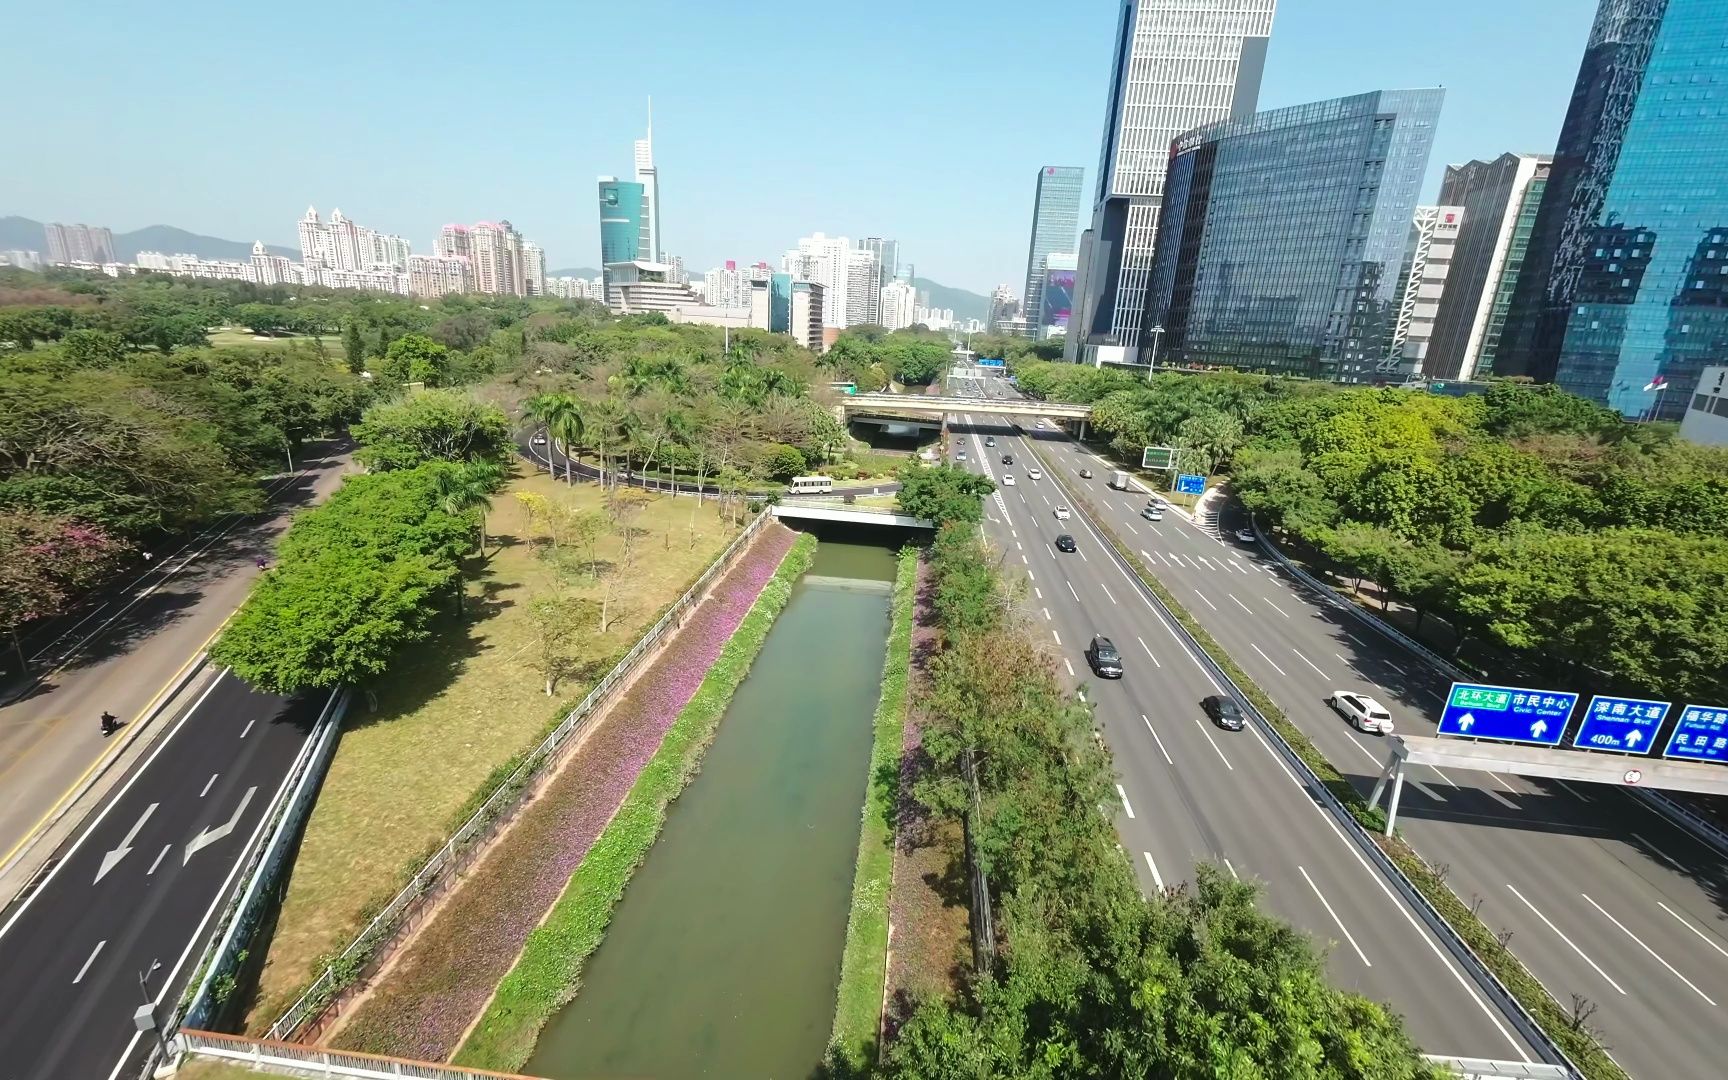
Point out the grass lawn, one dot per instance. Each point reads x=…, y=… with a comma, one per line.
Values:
x=453, y=713
x=206, y=1069
x=231, y=336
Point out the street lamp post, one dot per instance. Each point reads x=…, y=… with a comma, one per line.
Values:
x=1156, y=332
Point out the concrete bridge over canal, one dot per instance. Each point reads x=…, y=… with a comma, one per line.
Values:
x=835, y=510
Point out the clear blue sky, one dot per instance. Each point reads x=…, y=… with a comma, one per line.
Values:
x=924, y=122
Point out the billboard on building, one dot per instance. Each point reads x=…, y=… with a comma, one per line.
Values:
x=1058, y=299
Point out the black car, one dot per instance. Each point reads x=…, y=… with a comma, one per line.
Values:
x=1065, y=543
x=1105, y=660
x=1007, y=459
x=1223, y=711
x=989, y=440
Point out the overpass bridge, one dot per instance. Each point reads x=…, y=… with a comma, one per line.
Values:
x=836, y=510
x=923, y=405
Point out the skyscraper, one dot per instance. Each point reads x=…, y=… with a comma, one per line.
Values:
x=649, y=177
x=1422, y=285
x=1284, y=235
x=863, y=288
x=823, y=259
x=621, y=225
x=899, y=305
x=1055, y=221
x=1176, y=66
x=1490, y=246
x=79, y=243
x=887, y=254
x=1624, y=280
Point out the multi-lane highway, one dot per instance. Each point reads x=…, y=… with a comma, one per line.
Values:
x=119, y=916
x=1600, y=896
x=1192, y=792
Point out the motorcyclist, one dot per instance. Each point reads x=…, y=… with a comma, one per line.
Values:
x=109, y=723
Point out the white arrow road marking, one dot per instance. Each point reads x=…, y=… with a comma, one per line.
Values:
x=211, y=835
x=112, y=859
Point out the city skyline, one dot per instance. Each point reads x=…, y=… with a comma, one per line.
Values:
x=723, y=201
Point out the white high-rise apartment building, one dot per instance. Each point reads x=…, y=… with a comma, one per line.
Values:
x=533, y=269
x=79, y=243
x=268, y=269
x=863, y=288
x=437, y=275
x=453, y=241
x=346, y=251
x=823, y=259
x=899, y=305
x=1177, y=65
x=341, y=245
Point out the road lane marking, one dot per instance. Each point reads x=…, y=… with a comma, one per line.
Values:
x=1071, y=591
x=1207, y=561
x=208, y=784
x=1125, y=804
x=1069, y=664
x=1648, y=949
x=160, y=855
x=1575, y=792
x=1443, y=776
x=1148, y=649
x=1396, y=668
x=111, y=859
x=1157, y=530
x=217, y=832
x=1132, y=529
x=1278, y=609
x=1322, y=674
x=78, y=978
x=1202, y=596
x=1215, y=748
x=1240, y=604
x=1345, y=930
x=1157, y=740
x=1694, y=929
x=1107, y=592
x=1030, y=576
x=1675, y=863
x=1017, y=546
x=1083, y=557
x=1046, y=614
x=1269, y=660
x=247, y=730
x=1036, y=591
x=1569, y=944
x=1232, y=870
x=1152, y=866
x=1058, y=638
x=1024, y=559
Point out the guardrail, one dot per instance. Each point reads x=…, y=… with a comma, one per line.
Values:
x=469, y=840
x=1696, y=824
x=293, y=1059
x=1503, y=998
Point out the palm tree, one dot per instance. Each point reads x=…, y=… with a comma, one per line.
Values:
x=560, y=415
x=466, y=488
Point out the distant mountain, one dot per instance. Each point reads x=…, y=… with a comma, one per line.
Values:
x=23, y=233
x=966, y=305
x=579, y=271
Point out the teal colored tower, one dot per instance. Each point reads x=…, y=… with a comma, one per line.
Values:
x=621, y=224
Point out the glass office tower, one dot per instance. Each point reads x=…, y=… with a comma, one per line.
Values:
x=621, y=225
x=1625, y=280
x=1055, y=224
x=1283, y=235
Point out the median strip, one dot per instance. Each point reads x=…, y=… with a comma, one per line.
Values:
x=1566, y=1031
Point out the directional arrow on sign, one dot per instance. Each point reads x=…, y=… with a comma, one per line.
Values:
x=112, y=859
x=1465, y=721
x=216, y=832
x=1538, y=728
x=1633, y=738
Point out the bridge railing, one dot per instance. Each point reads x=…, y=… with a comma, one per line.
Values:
x=294, y=1059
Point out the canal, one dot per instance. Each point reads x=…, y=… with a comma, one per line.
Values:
x=723, y=956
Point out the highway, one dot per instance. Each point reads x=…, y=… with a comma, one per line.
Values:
x=1601, y=896
x=137, y=891
x=1191, y=792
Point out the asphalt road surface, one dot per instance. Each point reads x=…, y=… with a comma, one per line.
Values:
x=138, y=890
x=1604, y=899
x=1192, y=792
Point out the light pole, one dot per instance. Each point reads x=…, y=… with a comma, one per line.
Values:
x=1156, y=332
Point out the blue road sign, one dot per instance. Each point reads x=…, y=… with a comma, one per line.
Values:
x=1628, y=725
x=1507, y=713
x=986, y=361
x=1189, y=484
x=1701, y=734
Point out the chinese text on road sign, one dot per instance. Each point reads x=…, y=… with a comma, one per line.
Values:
x=1507, y=713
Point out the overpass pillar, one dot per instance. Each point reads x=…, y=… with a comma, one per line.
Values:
x=1397, y=795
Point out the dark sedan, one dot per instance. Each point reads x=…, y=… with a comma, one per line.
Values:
x=1065, y=543
x=1223, y=711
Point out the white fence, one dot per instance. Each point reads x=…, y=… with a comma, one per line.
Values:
x=468, y=840
x=292, y=1059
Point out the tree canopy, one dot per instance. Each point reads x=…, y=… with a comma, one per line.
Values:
x=943, y=493
x=432, y=425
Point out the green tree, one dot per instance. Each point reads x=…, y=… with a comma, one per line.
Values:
x=561, y=416
x=432, y=425
x=468, y=489
x=782, y=462
x=943, y=493
x=353, y=348
x=94, y=348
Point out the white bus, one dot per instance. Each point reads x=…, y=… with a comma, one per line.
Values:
x=811, y=485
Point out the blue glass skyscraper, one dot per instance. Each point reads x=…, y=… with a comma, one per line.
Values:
x=1627, y=274
x=1283, y=234
x=621, y=225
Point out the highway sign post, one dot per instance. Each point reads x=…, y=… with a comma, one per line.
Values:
x=1189, y=484
x=1507, y=713
x=1158, y=457
x=1701, y=734
x=1624, y=725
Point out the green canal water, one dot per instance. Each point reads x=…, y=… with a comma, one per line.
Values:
x=723, y=957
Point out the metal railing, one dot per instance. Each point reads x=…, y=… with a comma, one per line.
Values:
x=1680, y=814
x=469, y=839
x=293, y=1059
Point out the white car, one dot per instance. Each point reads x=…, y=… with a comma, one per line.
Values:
x=1153, y=513
x=1035, y=474
x=1363, y=712
x=1007, y=479
x=1246, y=535
x=539, y=440
x=1062, y=513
